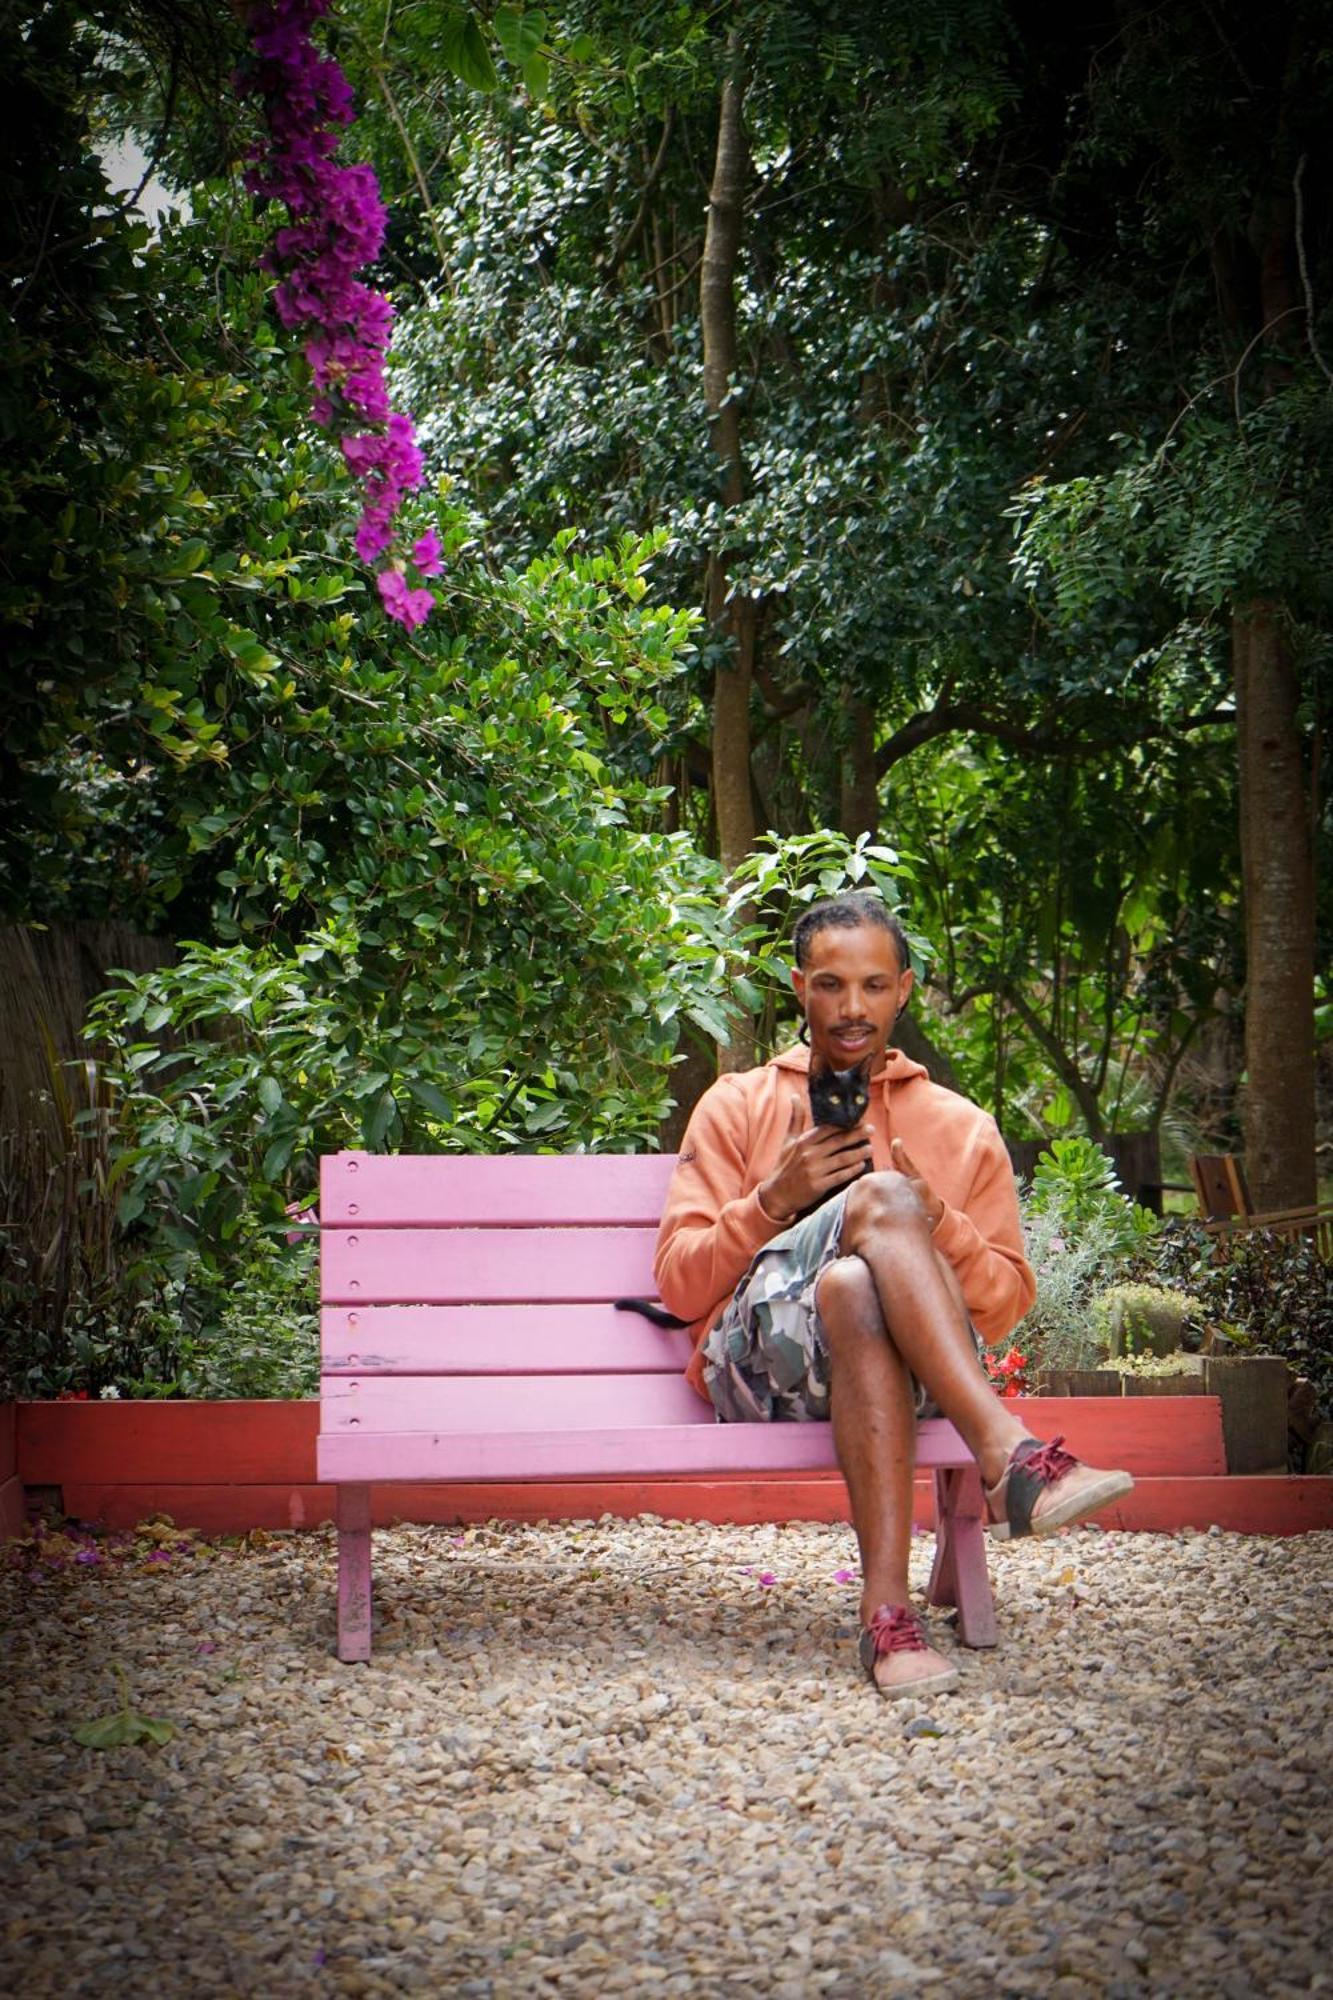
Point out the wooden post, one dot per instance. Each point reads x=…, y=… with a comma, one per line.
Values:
x=1252, y=1389
x=352, y=1514
x=959, y=1575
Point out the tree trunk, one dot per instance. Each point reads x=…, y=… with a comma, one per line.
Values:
x=732, y=621
x=859, y=801
x=1278, y=870
x=1258, y=294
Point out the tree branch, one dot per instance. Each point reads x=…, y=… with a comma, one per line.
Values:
x=631, y=236
x=950, y=718
x=410, y=152
x=1306, y=286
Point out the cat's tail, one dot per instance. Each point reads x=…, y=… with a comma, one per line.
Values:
x=645, y=1307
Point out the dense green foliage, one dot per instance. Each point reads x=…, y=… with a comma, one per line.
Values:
x=1017, y=454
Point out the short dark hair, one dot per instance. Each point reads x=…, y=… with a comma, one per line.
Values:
x=848, y=913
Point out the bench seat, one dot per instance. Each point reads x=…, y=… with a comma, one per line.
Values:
x=467, y=1333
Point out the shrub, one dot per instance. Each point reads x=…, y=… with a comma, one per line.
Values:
x=1138, y=1319
x=254, y=1332
x=1256, y=1291
x=1081, y=1232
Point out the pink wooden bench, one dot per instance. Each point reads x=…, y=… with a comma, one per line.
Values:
x=468, y=1334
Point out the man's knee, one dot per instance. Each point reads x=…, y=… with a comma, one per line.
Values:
x=881, y=1199
x=847, y=1299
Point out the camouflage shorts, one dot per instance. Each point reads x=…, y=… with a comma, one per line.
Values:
x=767, y=1359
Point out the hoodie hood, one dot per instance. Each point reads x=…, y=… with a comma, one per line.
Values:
x=893, y=1068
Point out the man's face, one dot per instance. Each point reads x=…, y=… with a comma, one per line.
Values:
x=851, y=988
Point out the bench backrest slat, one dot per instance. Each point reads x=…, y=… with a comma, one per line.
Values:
x=472, y=1266
x=497, y=1340
x=475, y=1403
x=522, y=1190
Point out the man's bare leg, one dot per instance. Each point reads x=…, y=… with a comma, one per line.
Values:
x=874, y=1435
x=874, y=1428
x=885, y=1225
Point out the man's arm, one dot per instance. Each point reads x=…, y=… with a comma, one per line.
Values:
x=711, y=1226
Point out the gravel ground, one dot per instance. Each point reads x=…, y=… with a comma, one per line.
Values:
x=636, y=1758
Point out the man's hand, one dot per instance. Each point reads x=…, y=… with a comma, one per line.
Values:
x=812, y=1165
x=929, y=1200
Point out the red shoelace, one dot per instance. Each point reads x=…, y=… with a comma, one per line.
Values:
x=895, y=1628
x=1048, y=1463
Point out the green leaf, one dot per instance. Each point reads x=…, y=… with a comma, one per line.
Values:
x=519, y=33
x=463, y=47
x=710, y=1019
x=380, y=1119
x=108, y=1732
x=186, y=560
x=270, y=1094
x=537, y=77
x=434, y=1100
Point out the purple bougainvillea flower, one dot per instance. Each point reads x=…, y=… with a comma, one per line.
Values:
x=409, y=607
x=846, y=1576
x=427, y=553
x=336, y=225
x=88, y=1556
x=766, y=1577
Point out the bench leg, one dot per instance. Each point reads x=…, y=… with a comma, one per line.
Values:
x=352, y=1515
x=960, y=1576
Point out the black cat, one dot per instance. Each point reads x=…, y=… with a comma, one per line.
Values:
x=839, y=1096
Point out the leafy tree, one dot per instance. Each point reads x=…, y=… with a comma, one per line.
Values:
x=1197, y=156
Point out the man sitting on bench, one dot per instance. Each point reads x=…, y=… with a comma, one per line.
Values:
x=832, y=1272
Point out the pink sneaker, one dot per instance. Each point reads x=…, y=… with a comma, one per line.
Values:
x=895, y=1630
x=1044, y=1488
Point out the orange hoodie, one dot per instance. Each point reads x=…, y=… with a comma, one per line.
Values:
x=713, y=1224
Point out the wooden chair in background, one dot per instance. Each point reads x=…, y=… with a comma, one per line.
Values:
x=1224, y=1203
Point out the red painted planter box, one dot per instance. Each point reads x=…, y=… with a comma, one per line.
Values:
x=12, y=1517
x=227, y=1467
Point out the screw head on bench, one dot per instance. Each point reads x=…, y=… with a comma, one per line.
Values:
x=353, y=1208
x=352, y=1166
x=354, y=1360
x=352, y=1242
